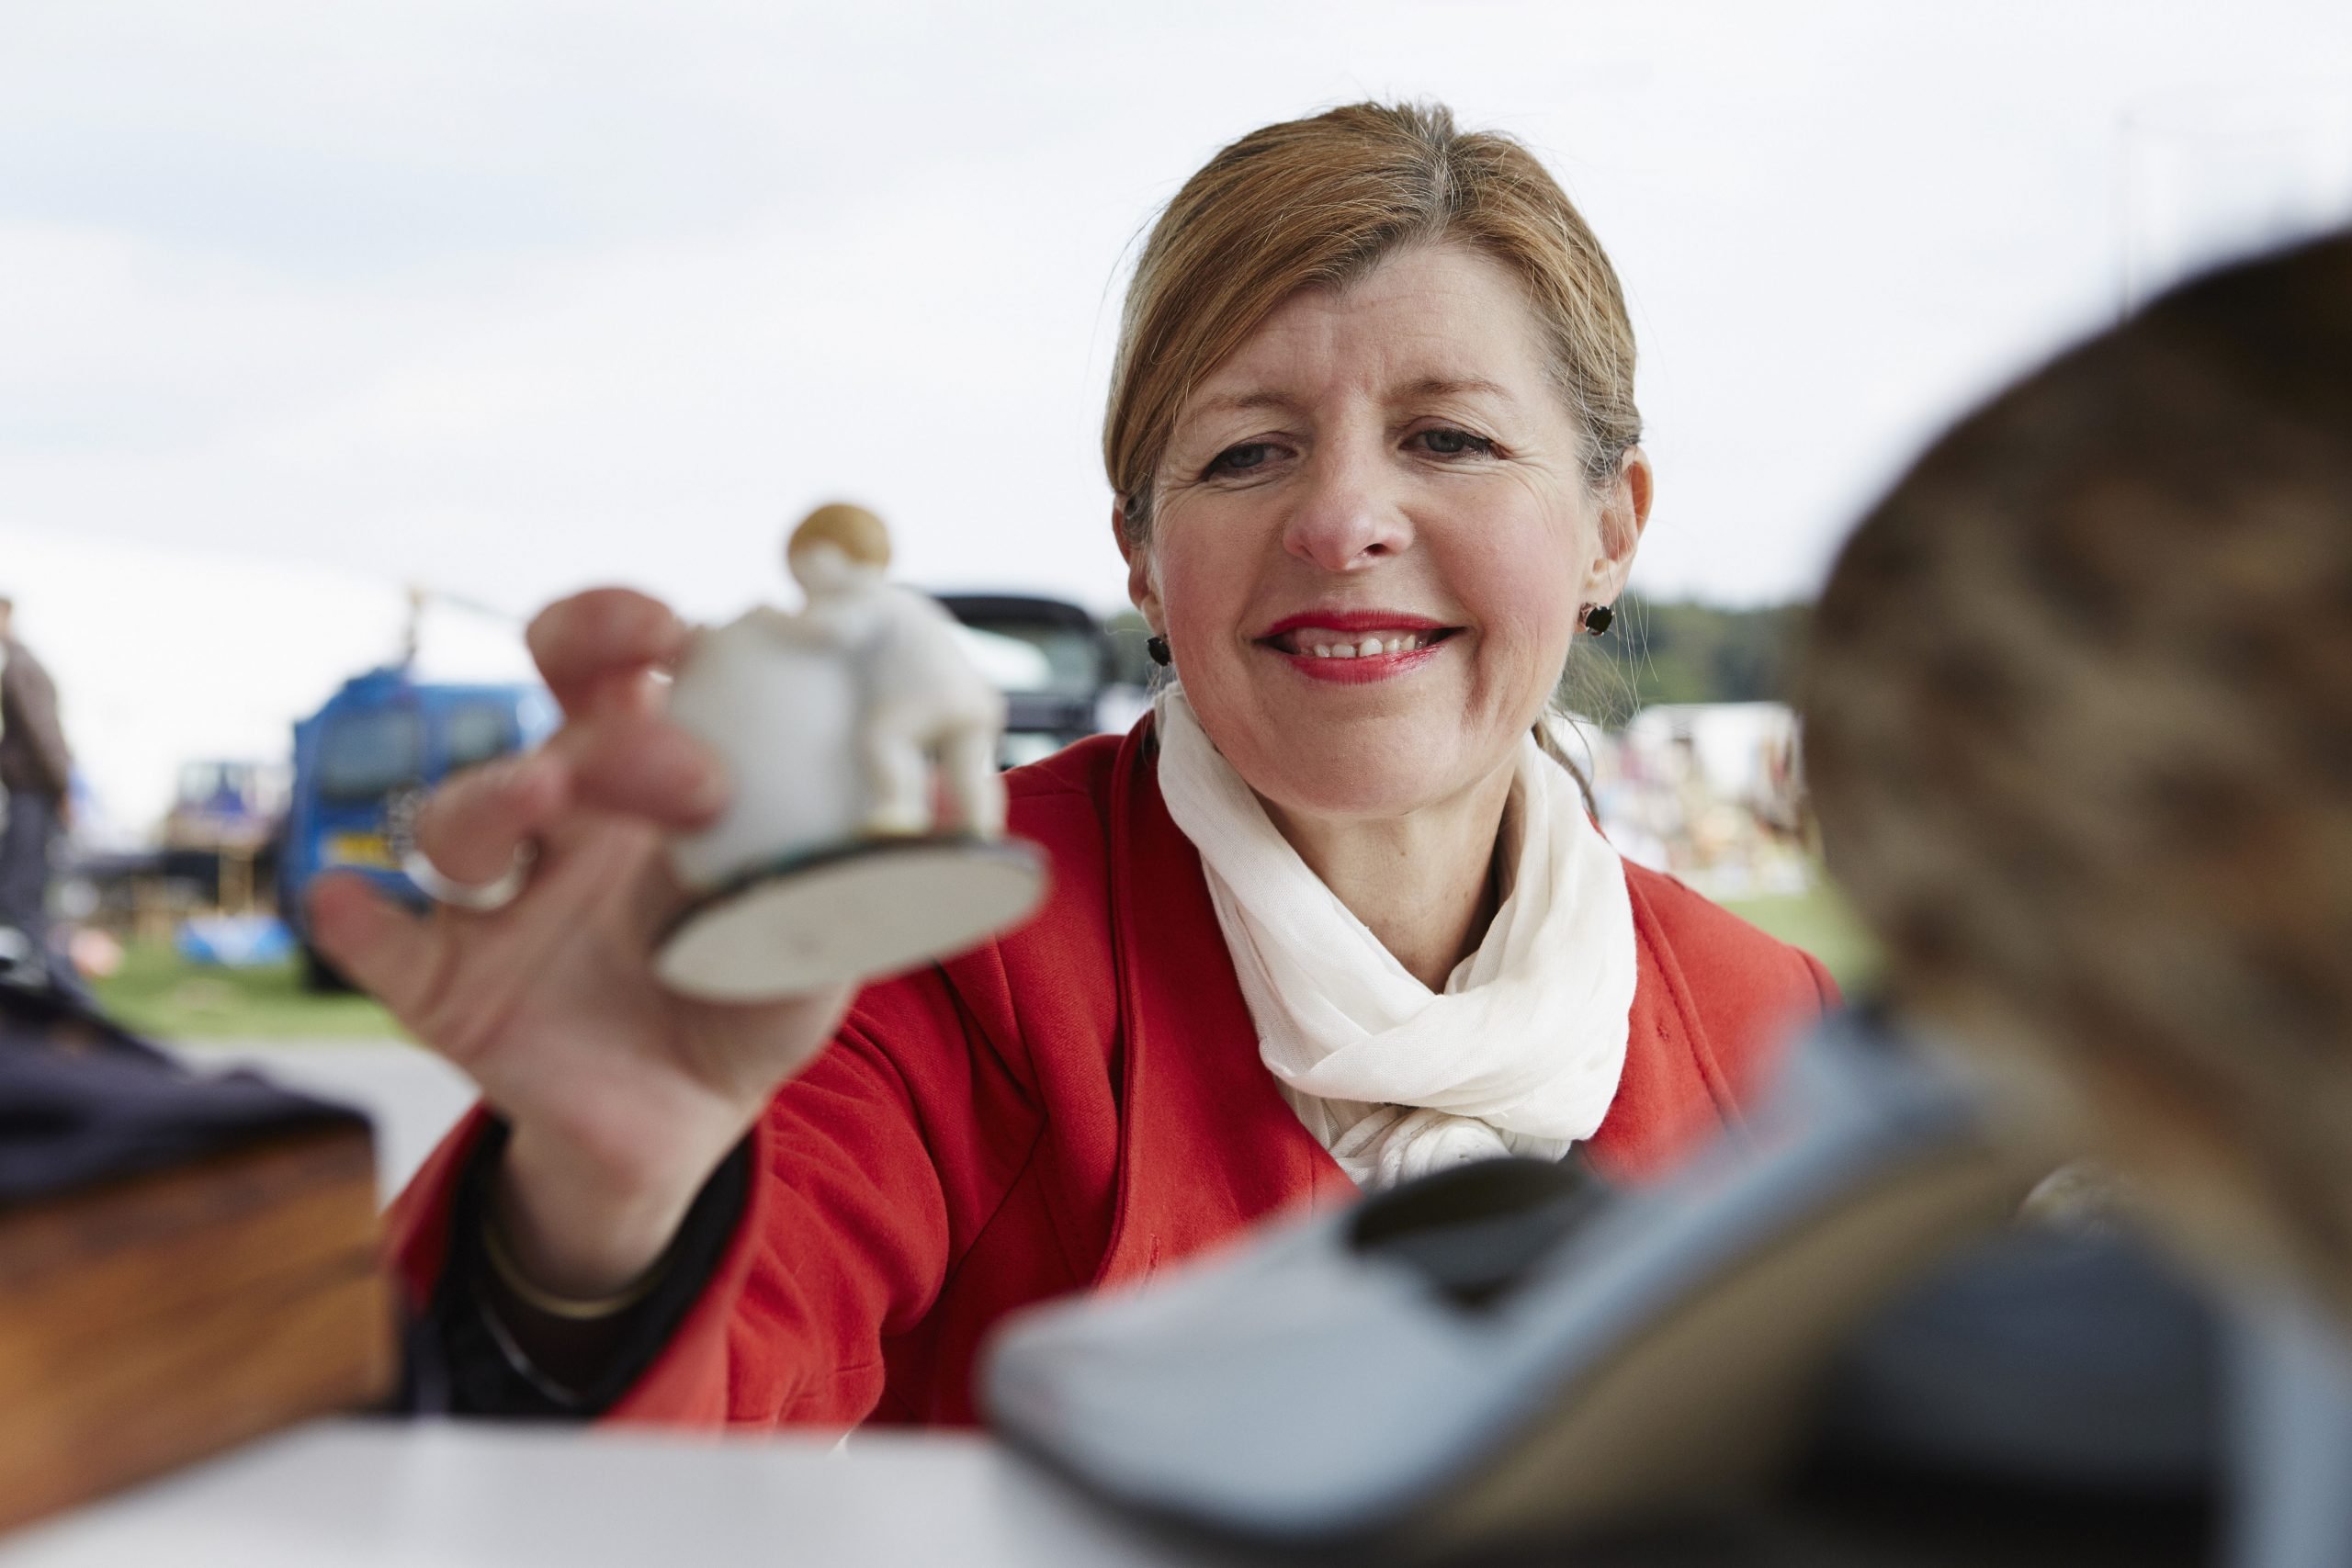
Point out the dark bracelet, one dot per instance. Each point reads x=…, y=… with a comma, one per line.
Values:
x=566, y=1399
x=466, y=1357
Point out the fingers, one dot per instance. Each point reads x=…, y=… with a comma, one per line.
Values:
x=473, y=826
x=641, y=765
x=594, y=650
x=637, y=765
x=393, y=955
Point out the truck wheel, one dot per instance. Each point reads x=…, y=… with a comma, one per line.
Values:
x=320, y=976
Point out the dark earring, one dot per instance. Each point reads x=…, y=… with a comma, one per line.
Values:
x=1597, y=618
x=1158, y=648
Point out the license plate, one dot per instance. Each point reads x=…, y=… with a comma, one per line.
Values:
x=360, y=849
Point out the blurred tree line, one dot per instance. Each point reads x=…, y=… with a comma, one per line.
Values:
x=1659, y=650
x=1664, y=650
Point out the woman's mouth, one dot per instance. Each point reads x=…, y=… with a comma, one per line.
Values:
x=1356, y=647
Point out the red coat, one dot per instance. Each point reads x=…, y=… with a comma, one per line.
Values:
x=1080, y=1103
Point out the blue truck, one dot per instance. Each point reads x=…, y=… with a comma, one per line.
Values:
x=364, y=764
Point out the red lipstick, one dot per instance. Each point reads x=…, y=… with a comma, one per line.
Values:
x=1349, y=629
x=1353, y=621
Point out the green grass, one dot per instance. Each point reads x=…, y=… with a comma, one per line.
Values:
x=157, y=992
x=1820, y=922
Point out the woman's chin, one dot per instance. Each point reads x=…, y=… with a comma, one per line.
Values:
x=1357, y=752
x=1360, y=787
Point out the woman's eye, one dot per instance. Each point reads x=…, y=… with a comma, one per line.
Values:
x=1449, y=443
x=1242, y=458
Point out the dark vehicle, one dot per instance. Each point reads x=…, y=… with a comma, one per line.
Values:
x=1055, y=696
x=363, y=764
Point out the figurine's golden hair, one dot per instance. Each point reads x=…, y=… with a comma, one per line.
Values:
x=2078, y=725
x=1322, y=201
x=854, y=531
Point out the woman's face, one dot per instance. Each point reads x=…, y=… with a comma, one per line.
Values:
x=1373, y=537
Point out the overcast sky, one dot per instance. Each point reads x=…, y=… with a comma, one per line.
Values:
x=512, y=295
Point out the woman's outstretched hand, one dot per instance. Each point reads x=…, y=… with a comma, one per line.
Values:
x=622, y=1095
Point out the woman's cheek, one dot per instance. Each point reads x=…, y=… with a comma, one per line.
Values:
x=1516, y=595
x=1202, y=591
x=1186, y=601
x=1521, y=584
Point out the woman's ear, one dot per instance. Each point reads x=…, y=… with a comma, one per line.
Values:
x=1624, y=513
x=1143, y=592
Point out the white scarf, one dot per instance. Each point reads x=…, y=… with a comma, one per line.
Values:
x=1522, y=1051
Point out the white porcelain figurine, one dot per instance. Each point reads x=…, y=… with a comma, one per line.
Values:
x=865, y=833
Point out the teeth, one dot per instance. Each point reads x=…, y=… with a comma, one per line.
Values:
x=1366, y=647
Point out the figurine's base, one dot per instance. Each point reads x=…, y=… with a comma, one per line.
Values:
x=872, y=909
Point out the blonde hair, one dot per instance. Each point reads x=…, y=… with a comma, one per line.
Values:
x=1319, y=202
x=2078, y=726
x=854, y=531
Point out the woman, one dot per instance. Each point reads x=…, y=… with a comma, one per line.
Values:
x=1331, y=917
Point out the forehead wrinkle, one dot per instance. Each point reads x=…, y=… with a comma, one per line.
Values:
x=1456, y=386
x=1243, y=402
x=1308, y=338
x=1423, y=387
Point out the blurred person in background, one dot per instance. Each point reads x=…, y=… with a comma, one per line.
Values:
x=1334, y=915
x=2078, y=725
x=36, y=771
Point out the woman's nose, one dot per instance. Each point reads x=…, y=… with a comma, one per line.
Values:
x=1345, y=516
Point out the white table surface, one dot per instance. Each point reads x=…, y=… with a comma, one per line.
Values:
x=440, y=1494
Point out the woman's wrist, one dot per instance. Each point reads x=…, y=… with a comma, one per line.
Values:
x=489, y=1347
x=569, y=1230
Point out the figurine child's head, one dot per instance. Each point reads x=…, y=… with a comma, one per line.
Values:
x=836, y=547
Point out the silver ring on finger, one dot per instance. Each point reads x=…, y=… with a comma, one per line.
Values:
x=479, y=897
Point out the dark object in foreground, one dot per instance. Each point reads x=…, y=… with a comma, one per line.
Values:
x=1839, y=1346
x=1492, y=1354
x=184, y=1262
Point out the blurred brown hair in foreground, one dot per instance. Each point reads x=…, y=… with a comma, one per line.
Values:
x=2078, y=719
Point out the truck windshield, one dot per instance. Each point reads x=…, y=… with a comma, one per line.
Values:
x=365, y=756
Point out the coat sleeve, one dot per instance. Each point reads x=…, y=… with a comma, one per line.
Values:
x=865, y=1171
